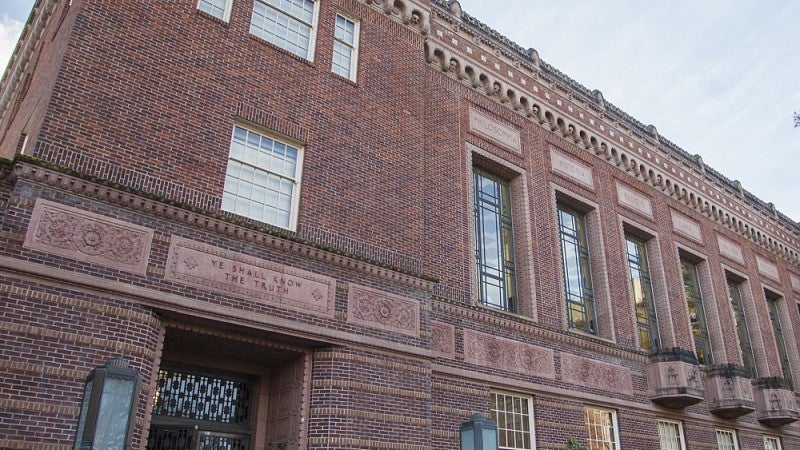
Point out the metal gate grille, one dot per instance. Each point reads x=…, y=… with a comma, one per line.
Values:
x=183, y=439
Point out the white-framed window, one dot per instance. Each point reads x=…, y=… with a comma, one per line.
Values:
x=670, y=435
x=726, y=440
x=513, y=414
x=345, y=47
x=772, y=443
x=601, y=428
x=221, y=9
x=262, y=180
x=288, y=24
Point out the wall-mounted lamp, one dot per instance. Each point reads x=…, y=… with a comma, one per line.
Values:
x=109, y=405
x=478, y=433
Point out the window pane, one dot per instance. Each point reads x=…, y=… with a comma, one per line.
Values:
x=576, y=270
x=735, y=296
x=642, y=292
x=670, y=435
x=344, y=47
x=772, y=443
x=777, y=331
x=216, y=8
x=601, y=432
x=494, y=246
x=284, y=23
x=514, y=421
x=726, y=440
x=694, y=302
x=255, y=183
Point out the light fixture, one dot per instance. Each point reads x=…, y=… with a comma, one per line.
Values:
x=478, y=433
x=109, y=404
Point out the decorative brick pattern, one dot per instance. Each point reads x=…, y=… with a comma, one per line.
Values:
x=85, y=236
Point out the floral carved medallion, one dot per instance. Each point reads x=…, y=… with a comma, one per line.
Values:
x=377, y=309
x=84, y=236
x=506, y=354
x=443, y=340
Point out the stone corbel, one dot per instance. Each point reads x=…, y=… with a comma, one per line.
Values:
x=409, y=13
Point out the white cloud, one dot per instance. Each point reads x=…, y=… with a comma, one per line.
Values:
x=10, y=30
x=717, y=78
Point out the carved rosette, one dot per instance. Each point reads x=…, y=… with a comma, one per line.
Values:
x=84, y=236
x=673, y=378
x=729, y=392
x=776, y=404
x=377, y=309
x=506, y=354
x=443, y=340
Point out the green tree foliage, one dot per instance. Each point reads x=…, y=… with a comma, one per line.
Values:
x=572, y=444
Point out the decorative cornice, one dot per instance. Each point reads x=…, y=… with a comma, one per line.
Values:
x=24, y=52
x=409, y=12
x=614, y=149
x=204, y=220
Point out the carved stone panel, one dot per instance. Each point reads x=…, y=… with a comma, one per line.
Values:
x=686, y=226
x=506, y=354
x=443, y=337
x=378, y=309
x=571, y=168
x=504, y=135
x=634, y=200
x=775, y=407
x=674, y=379
x=730, y=249
x=595, y=374
x=216, y=269
x=795, y=282
x=74, y=233
x=729, y=391
x=767, y=268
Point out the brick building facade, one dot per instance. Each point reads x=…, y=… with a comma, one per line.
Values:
x=353, y=224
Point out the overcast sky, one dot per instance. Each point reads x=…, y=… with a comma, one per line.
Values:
x=719, y=78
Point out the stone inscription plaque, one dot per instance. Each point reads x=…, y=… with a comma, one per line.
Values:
x=216, y=269
x=686, y=226
x=74, y=233
x=378, y=309
x=505, y=354
x=495, y=130
x=730, y=249
x=571, y=168
x=594, y=374
x=767, y=268
x=795, y=282
x=634, y=200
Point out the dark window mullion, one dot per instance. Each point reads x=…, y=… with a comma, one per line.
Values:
x=781, y=344
x=748, y=359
